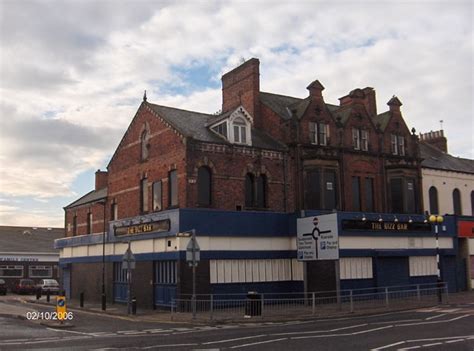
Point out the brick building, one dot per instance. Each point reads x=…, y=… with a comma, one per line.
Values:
x=239, y=178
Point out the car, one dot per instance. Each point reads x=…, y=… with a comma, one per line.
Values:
x=24, y=286
x=48, y=285
x=3, y=287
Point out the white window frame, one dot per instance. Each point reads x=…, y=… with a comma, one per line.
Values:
x=394, y=144
x=401, y=145
x=12, y=267
x=364, y=138
x=355, y=138
x=323, y=133
x=313, y=133
x=240, y=130
x=31, y=268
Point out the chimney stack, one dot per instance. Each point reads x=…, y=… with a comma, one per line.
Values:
x=241, y=86
x=394, y=104
x=316, y=90
x=356, y=96
x=369, y=101
x=100, y=179
x=436, y=139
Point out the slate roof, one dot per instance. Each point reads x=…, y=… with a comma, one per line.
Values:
x=194, y=124
x=92, y=196
x=436, y=159
x=28, y=239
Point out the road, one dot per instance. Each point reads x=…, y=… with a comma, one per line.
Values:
x=448, y=327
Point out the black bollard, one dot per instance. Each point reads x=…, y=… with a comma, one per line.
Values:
x=81, y=299
x=38, y=294
x=134, y=305
x=48, y=293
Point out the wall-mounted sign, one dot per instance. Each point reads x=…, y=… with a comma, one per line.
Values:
x=466, y=229
x=19, y=259
x=357, y=224
x=157, y=226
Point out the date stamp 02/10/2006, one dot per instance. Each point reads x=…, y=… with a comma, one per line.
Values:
x=50, y=316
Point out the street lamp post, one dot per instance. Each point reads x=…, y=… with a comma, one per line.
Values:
x=436, y=220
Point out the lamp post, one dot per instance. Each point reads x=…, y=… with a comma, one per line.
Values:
x=436, y=220
x=103, y=296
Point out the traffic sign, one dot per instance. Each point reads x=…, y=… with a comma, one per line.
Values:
x=61, y=307
x=317, y=238
x=193, y=247
x=128, y=260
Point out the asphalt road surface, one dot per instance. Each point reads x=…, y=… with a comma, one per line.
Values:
x=449, y=327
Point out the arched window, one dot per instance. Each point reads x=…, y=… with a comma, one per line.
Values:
x=240, y=130
x=472, y=203
x=204, y=186
x=457, y=202
x=433, y=194
x=249, y=190
x=144, y=144
x=262, y=191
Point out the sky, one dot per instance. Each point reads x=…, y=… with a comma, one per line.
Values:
x=72, y=75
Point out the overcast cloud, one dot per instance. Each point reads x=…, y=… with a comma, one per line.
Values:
x=72, y=74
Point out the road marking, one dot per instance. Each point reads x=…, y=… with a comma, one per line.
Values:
x=409, y=348
x=258, y=343
x=453, y=341
x=433, y=322
x=169, y=345
x=343, y=334
x=69, y=331
x=400, y=321
x=433, y=344
x=154, y=331
x=434, y=317
x=450, y=310
x=371, y=330
x=230, y=340
x=387, y=346
x=322, y=331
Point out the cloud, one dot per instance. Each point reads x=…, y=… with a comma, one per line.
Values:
x=72, y=73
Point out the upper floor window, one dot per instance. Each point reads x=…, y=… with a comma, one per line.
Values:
x=397, y=145
x=356, y=201
x=204, y=186
x=318, y=133
x=369, y=194
x=433, y=197
x=261, y=200
x=240, y=130
x=89, y=222
x=114, y=211
x=457, y=202
x=403, y=197
x=144, y=145
x=221, y=129
x=320, y=189
x=173, y=188
x=360, y=139
x=255, y=191
x=249, y=189
x=157, y=196
x=74, y=225
x=144, y=195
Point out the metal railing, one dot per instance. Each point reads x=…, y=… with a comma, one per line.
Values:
x=319, y=304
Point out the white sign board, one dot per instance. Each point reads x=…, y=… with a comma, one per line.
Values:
x=193, y=246
x=128, y=260
x=317, y=238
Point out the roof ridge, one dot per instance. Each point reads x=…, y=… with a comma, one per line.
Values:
x=288, y=96
x=182, y=109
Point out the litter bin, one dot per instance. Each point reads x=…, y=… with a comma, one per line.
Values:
x=253, y=304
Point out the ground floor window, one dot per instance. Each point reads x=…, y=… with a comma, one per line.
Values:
x=40, y=271
x=422, y=266
x=356, y=268
x=165, y=272
x=261, y=270
x=11, y=271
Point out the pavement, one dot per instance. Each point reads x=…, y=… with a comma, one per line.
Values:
x=164, y=316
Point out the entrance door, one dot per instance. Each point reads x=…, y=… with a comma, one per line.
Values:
x=120, y=283
x=392, y=271
x=165, y=282
x=66, y=280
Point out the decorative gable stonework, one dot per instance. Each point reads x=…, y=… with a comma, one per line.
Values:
x=293, y=153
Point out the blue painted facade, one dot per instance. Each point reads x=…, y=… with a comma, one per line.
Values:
x=390, y=266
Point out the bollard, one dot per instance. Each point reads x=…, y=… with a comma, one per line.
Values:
x=134, y=305
x=38, y=294
x=48, y=295
x=81, y=299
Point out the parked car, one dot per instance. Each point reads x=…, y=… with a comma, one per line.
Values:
x=3, y=287
x=24, y=286
x=50, y=285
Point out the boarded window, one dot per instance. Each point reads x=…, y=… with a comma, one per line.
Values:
x=204, y=186
x=411, y=205
x=249, y=190
x=261, y=191
x=144, y=195
x=422, y=266
x=356, y=194
x=356, y=268
x=369, y=194
x=396, y=195
x=89, y=223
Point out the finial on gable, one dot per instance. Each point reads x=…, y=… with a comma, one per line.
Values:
x=144, y=96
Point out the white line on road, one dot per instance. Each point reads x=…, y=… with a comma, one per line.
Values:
x=371, y=330
x=453, y=341
x=321, y=331
x=434, y=317
x=230, y=340
x=400, y=321
x=258, y=343
x=432, y=322
x=388, y=346
x=409, y=348
x=169, y=345
x=68, y=331
x=433, y=344
x=343, y=334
